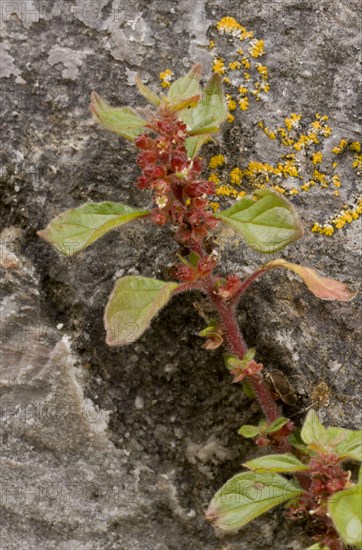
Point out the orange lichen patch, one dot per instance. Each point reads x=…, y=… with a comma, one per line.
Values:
x=214, y=206
x=219, y=65
x=166, y=78
x=235, y=176
x=317, y=157
x=230, y=26
x=256, y=48
x=243, y=103
x=214, y=178
x=355, y=146
x=246, y=71
x=216, y=161
x=340, y=147
x=233, y=65
x=345, y=216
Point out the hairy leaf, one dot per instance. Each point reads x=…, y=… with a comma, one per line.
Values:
x=206, y=118
x=246, y=496
x=186, y=86
x=276, y=463
x=276, y=425
x=249, y=431
x=267, y=224
x=77, y=228
x=346, y=444
x=313, y=431
x=131, y=307
x=121, y=120
x=345, y=509
x=147, y=92
x=322, y=287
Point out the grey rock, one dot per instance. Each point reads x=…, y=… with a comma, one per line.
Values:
x=123, y=448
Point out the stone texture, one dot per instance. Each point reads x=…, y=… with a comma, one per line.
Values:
x=106, y=448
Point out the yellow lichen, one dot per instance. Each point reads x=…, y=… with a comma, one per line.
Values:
x=317, y=157
x=166, y=77
x=340, y=147
x=218, y=65
x=235, y=176
x=216, y=161
x=256, y=48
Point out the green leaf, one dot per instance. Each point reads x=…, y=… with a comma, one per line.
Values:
x=206, y=118
x=131, y=307
x=276, y=425
x=233, y=362
x=345, y=509
x=313, y=431
x=317, y=546
x=121, y=120
x=267, y=224
x=360, y=476
x=276, y=463
x=147, y=92
x=350, y=445
x=77, y=228
x=322, y=287
x=246, y=496
x=249, y=431
x=186, y=86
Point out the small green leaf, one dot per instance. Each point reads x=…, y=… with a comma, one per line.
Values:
x=131, y=307
x=267, y=224
x=121, y=120
x=233, y=362
x=276, y=463
x=206, y=118
x=276, y=425
x=246, y=496
x=345, y=509
x=350, y=445
x=186, y=86
x=313, y=431
x=77, y=228
x=248, y=431
x=147, y=92
x=322, y=287
x=317, y=546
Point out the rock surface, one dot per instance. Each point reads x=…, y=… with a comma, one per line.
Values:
x=122, y=449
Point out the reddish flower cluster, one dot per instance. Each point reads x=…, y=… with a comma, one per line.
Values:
x=327, y=475
x=180, y=196
x=327, y=478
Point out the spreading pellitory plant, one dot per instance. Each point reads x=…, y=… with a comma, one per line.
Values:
x=168, y=138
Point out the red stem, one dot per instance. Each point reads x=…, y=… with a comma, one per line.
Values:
x=244, y=285
x=226, y=312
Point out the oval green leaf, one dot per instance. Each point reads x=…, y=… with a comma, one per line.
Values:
x=276, y=463
x=249, y=431
x=348, y=443
x=186, y=86
x=131, y=307
x=124, y=121
x=313, y=431
x=206, y=118
x=246, y=496
x=267, y=224
x=322, y=287
x=77, y=228
x=345, y=509
x=276, y=425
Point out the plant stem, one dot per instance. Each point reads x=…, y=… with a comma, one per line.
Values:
x=235, y=340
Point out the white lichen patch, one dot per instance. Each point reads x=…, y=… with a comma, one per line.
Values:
x=70, y=59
